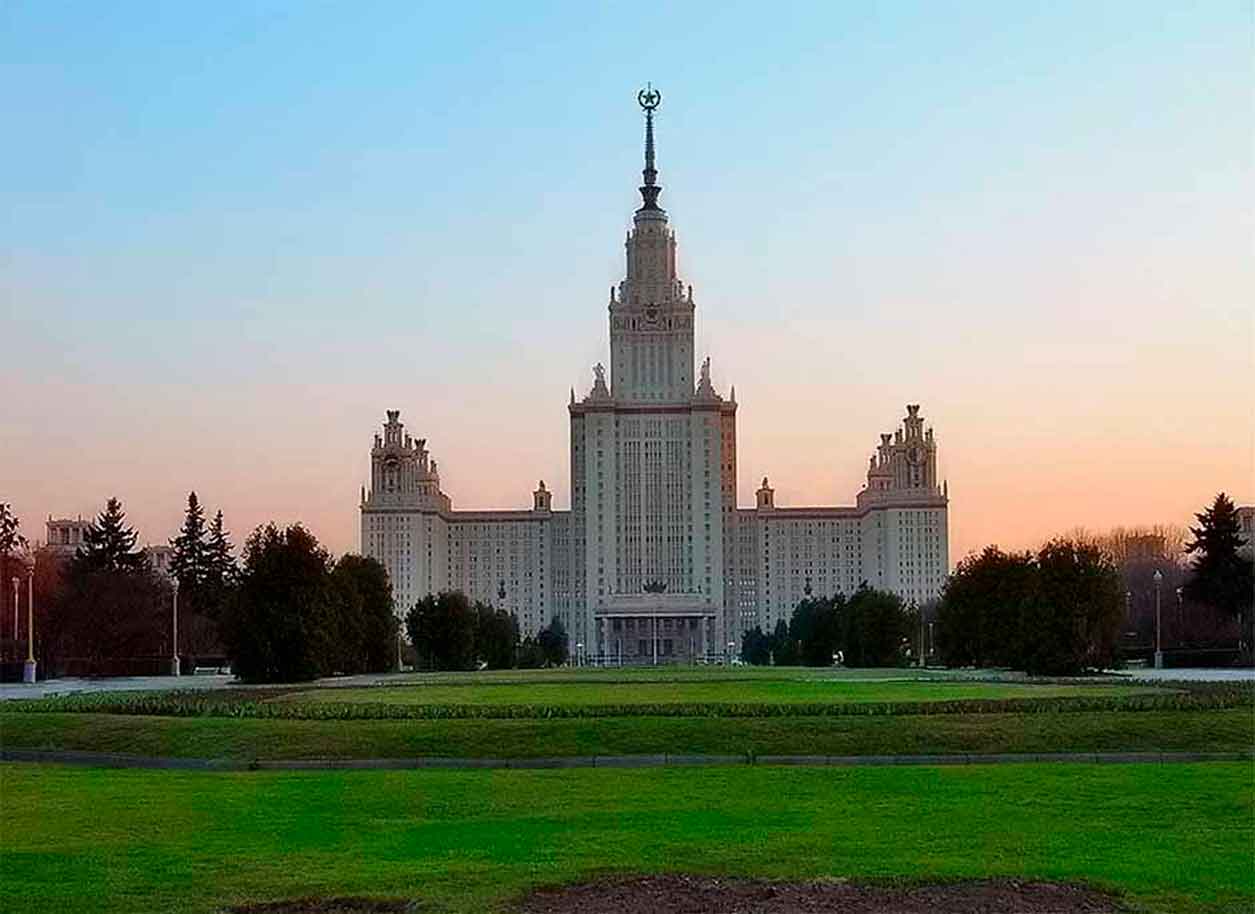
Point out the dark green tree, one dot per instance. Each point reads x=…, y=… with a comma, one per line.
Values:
x=1220, y=576
x=11, y=539
x=816, y=629
x=366, y=625
x=552, y=640
x=981, y=618
x=1074, y=622
x=109, y=544
x=442, y=629
x=783, y=647
x=113, y=606
x=530, y=656
x=281, y=627
x=11, y=544
x=876, y=629
x=109, y=615
x=496, y=637
x=221, y=570
x=756, y=647
x=189, y=561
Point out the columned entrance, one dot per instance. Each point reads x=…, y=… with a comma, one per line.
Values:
x=647, y=629
x=634, y=639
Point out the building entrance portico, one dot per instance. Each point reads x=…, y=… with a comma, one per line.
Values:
x=654, y=628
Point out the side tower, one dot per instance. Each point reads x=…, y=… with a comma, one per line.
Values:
x=403, y=514
x=906, y=529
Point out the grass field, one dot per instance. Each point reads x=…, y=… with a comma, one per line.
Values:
x=792, y=689
x=236, y=738
x=1174, y=837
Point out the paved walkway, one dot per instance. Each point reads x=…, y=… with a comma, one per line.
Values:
x=1245, y=674
x=113, y=760
x=10, y=690
x=204, y=681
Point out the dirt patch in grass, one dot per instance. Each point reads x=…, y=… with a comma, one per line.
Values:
x=709, y=895
x=328, y=906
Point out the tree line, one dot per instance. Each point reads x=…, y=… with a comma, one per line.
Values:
x=449, y=632
x=871, y=628
x=1060, y=610
x=284, y=611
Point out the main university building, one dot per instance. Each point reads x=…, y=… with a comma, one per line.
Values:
x=655, y=561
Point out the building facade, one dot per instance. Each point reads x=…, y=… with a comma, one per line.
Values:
x=655, y=561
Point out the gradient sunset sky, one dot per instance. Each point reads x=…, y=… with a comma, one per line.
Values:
x=232, y=235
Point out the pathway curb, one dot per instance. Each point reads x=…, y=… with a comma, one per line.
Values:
x=119, y=760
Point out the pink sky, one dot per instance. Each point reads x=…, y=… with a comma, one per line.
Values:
x=229, y=250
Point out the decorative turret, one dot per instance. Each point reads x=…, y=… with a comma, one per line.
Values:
x=402, y=473
x=905, y=460
x=766, y=496
x=542, y=499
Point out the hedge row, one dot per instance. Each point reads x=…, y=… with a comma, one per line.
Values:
x=200, y=704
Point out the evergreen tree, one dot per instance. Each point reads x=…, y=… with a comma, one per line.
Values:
x=109, y=544
x=190, y=561
x=1221, y=577
x=221, y=569
x=11, y=540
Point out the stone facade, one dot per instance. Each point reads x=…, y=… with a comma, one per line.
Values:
x=65, y=534
x=654, y=561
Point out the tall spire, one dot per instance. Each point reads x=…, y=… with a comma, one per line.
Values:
x=649, y=98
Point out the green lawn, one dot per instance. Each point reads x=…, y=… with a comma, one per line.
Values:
x=1174, y=837
x=753, y=691
x=245, y=738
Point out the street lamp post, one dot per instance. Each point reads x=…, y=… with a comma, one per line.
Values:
x=174, y=632
x=29, y=668
x=16, y=583
x=579, y=653
x=731, y=648
x=1158, y=620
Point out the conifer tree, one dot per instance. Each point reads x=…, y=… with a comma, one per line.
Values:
x=221, y=569
x=109, y=544
x=190, y=561
x=1221, y=577
x=11, y=540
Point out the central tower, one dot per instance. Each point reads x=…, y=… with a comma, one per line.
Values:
x=653, y=464
x=651, y=314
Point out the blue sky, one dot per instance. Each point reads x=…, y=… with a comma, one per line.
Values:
x=232, y=234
